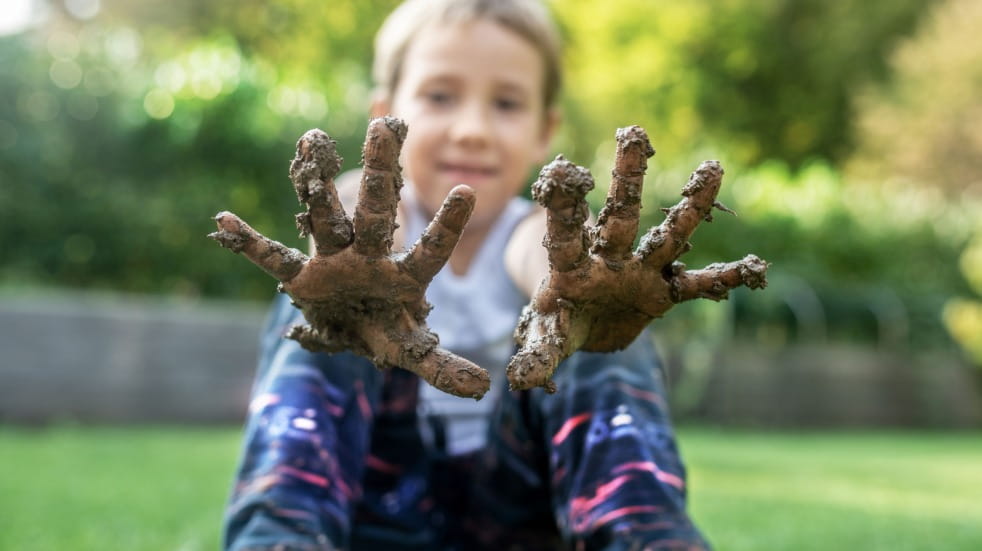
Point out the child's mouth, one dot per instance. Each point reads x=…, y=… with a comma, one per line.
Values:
x=466, y=174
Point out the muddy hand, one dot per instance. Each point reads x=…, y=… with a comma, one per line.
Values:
x=600, y=294
x=354, y=292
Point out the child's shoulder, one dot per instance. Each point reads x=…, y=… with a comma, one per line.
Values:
x=525, y=258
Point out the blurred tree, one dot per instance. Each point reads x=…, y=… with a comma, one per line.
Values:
x=124, y=127
x=963, y=316
x=758, y=79
x=925, y=129
x=96, y=107
x=924, y=133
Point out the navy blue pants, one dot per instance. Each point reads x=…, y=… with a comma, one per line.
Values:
x=333, y=459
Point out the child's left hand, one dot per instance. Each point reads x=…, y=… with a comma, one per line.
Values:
x=599, y=295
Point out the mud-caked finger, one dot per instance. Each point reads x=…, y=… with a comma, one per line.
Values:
x=617, y=223
x=381, y=180
x=404, y=342
x=561, y=188
x=716, y=280
x=452, y=374
x=665, y=243
x=312, y=172
x=428, y=255
x=544, y=340
x=273, y=257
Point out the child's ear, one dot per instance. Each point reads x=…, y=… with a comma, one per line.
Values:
x=381, y=106
x=553, y=118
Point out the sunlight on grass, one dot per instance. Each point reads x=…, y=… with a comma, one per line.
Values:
x=164, y=488
x=836, y=491
x=129, y=488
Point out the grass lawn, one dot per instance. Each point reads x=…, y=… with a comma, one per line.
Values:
x=859, y=490
x=163, y=488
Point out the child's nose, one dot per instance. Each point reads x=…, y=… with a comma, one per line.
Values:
x=472, y=126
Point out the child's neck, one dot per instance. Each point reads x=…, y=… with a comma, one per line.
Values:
x=467, y=248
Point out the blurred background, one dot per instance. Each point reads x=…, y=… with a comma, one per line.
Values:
x=851, y=135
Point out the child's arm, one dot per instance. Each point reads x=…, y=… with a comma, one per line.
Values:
x=526, y=261
x=599, y=294
x=355, y=294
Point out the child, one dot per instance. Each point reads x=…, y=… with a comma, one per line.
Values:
x=340, y=454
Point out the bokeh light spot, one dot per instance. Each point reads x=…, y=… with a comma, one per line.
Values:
x=159, y=104
x=65, y=74
x=83, y=9
x=170, y=76
x=123, y=46
x=312, y=105
x=206, y=85
x=63, y=45
x=19, y=15
x=38, y=106
x=282, y=99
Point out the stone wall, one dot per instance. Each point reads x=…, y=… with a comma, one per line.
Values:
x=122, y=359
x=119, y=359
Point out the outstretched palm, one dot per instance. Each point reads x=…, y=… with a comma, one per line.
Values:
x=600, y=294
x=354, y=292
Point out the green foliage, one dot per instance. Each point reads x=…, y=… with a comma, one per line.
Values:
x=758, y=80
x=121, y=134
x=856, y=249
x=934, y=105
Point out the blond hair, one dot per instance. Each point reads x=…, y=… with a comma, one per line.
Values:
x=528, y=18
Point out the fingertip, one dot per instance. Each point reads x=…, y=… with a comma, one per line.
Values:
x=465, y=192
x=636, y=136
x=392, y=124
x=226, y=220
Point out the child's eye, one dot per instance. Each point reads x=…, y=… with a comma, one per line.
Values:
x=508, y=104
x=439, y=98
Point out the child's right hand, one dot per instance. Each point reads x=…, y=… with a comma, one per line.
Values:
x=354, y=292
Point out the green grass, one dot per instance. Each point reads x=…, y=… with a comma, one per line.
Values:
x=862, y=490
x=153, y=488
x=141, y=488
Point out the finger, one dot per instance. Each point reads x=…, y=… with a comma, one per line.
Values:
x=715, y=281
x=405, y=341
x=452, y=374
x=308, y=337
x=381, y=179
x=666, y=242
x=433, y=249
x=544, y=341
x=617, y=223
x=273, y=257
x=561, y=189
x=312, y=172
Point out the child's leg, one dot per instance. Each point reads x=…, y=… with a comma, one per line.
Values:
x=601, y=451
x=618, y=481
x=332, y=457
x=306, y=439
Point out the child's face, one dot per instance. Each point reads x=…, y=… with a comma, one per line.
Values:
x=472, y=96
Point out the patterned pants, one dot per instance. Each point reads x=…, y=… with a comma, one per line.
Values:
x=333, y=459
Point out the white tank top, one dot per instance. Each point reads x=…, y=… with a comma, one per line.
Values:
x=475, y=316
